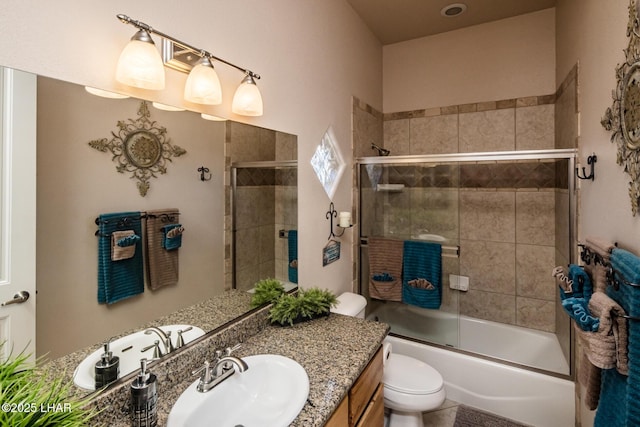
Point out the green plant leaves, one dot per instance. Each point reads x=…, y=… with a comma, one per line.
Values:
x=306, y=305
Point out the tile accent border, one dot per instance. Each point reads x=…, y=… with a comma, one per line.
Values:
x=529, y=101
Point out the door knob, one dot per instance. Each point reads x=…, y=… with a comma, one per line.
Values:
x=18, y=298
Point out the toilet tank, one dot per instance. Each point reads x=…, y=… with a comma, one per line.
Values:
x=350, y=304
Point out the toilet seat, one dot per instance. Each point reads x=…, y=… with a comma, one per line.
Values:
x=404, y=374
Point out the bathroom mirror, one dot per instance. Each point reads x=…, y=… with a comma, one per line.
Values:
x=76, y=183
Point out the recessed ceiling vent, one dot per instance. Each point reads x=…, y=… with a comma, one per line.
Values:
x=452, y=10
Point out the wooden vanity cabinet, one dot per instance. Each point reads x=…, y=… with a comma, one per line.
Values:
x=364, y=404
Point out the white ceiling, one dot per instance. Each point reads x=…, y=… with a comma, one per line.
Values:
x=395, y=21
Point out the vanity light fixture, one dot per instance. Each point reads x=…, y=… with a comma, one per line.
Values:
x=105, y=93
x=166, y=107
x=140, y=64
x=138, y=67
x=212, y=118
x=203, y=84
x=247, y=100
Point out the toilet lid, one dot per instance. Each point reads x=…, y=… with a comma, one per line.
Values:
x=412, y=376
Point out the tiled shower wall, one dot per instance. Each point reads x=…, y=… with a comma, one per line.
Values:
x=512, y=217
x=266, y=203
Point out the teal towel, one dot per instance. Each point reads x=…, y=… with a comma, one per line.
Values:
x=582, y=287
x=578, y=310
x=174, y=242
x=292, y=240
x=620, y=394
x=122, y=279
x=384, y=277
x=422, y=260
x=128, y=241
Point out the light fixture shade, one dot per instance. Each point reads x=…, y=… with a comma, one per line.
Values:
x=140, y=64
x=247, y=101
x=203, y=84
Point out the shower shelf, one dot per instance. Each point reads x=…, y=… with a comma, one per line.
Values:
x=390, y=188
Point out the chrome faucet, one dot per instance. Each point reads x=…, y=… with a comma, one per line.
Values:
x=221, y=370
x=165, y=338
x=226, y=364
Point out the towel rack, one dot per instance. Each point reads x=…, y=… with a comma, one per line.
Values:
x=364, y=241
x=614, y=277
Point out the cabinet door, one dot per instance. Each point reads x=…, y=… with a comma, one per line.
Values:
x=340, y=417
x=374, y=414
x=364, y=387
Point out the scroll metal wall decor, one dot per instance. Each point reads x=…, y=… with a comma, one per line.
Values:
x=623, y=117
x=140, y=147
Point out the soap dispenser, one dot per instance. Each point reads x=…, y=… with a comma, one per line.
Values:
x=107, y=369
x=144, y=398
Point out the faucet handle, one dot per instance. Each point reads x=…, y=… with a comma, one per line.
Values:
x=180, y=339
x=157, y=353
x=230, y=350
x=206, y=375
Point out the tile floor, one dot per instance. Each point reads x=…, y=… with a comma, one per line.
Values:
x=444, y=416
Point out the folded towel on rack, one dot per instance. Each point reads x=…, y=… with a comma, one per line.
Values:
x=627, y=264
x=385, y=268
x=422, y=260
x=582, y=287
x=123, y=244
x=620, y=394
x=578, y=310
x=292, y=250
x=384, y=277
x=162, y=265
x=172, y=236
x=606, y=348
x=124, y=278
x=599, y=245
x=589, y=377
x=598, y=274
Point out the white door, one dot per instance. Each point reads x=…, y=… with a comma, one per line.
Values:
x=17, y=212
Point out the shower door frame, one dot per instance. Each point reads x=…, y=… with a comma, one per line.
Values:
x=267, y=164
x=570, y=154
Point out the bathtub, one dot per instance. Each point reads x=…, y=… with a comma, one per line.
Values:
x=519, y=394
x=537, y=349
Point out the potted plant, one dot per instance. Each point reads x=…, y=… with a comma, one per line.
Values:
x=31, y=399
x=306, y=305
x=266, y=291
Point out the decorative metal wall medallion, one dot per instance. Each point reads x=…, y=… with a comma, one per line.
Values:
x=623, y=117
x=140, y=147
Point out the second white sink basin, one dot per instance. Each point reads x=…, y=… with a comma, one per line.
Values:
x=128, y=349
x=272, y=392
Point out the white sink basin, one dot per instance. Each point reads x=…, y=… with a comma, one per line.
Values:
x=270, y=393
x=128, y=350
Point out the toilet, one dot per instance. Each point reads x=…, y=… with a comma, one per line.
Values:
x=410, y=385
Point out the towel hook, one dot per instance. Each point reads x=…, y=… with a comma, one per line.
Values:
x=203, y=170
x=591, y=160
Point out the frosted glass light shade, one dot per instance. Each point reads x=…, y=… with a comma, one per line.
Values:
x=140, y=64
x=203, y=84
x=247, y=100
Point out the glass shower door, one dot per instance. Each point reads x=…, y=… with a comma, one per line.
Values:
x=412, y=202
x=265, y=217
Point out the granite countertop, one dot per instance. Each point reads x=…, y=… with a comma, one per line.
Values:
x=220, y=310
x=334, y=351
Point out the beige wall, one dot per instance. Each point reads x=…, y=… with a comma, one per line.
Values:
x=76, y=183
x=300, y=48
x=505, y=59
x=593, y=34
